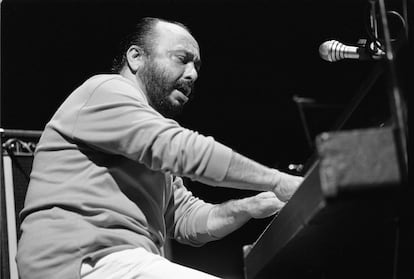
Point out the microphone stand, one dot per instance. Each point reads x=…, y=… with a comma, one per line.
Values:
x=399, y=119
x=373, y=22
x=398, y=106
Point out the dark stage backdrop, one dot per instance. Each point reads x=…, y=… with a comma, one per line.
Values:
x=256, y=56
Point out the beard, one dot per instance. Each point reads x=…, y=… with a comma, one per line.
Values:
x=159, y=85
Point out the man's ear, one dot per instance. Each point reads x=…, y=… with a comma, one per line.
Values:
x=134, y=55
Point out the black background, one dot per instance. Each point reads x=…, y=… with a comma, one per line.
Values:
x=256, y=56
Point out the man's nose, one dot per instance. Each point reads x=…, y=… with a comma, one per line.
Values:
x=190, y=72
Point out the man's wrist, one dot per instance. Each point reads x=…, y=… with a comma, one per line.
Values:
x=276, y=181
x=228, y=216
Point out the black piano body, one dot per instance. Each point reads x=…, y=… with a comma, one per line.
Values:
x=353, y=216
x=349, y=218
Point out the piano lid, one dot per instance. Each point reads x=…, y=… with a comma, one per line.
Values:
x=347, y=199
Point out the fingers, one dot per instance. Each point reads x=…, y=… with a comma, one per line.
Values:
x=264, y=195
x=287, y=186
x=264, y=205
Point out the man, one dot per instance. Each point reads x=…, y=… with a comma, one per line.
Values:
x=105, y=189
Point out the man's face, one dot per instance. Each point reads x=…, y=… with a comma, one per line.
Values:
x=170, y=70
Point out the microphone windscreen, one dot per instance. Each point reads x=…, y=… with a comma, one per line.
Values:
x=325, y=50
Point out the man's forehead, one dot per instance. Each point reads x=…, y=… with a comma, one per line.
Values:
x=173, y=36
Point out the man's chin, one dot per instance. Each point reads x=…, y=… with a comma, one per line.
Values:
x=177, y=98
x=170, y=109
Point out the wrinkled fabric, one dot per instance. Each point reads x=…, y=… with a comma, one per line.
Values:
x=106, y=177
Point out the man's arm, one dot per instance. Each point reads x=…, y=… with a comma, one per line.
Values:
x=226, y=217
x=116, y=119
x=244, y=173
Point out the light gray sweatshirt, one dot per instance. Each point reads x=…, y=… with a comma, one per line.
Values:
x=106, y=177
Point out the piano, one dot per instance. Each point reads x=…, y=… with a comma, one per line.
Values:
x=344, y=221
x=352, y=216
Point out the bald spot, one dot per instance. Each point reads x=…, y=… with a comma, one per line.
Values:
x=174, y=37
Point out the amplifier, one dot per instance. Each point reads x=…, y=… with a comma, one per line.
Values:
x=17, y=169
x=16, y=150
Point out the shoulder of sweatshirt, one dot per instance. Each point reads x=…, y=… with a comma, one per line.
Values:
x=115, y=84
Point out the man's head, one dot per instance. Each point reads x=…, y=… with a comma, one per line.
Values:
x=164, y=59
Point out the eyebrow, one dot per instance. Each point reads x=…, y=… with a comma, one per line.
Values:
x=191, y=55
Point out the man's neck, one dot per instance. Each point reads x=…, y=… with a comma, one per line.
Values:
x=136, y=82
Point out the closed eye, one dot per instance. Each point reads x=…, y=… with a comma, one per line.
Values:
x=182, y=58
x=185, y=58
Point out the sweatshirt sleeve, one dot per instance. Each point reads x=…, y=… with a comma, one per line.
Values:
x=116, y=118
x=186, y=217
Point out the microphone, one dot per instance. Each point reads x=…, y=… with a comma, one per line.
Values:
x=333, y=51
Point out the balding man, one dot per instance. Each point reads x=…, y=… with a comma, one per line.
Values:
x=106, y=190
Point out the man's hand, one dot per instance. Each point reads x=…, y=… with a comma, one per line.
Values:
x=263, y=205
x=229, y=216
x=287, y=186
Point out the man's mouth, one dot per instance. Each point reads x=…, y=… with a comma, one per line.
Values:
x=185, y=89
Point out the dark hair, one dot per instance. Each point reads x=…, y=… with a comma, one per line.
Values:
x=142, y=36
